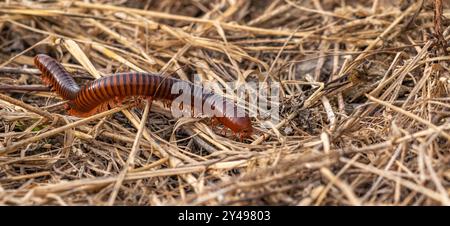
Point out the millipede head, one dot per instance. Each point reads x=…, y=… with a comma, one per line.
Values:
x=242, y=126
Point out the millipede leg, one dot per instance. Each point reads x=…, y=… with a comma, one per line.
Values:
x=241, y=136
x=66, y=107
x=224, y=131
x=118, y=100
x=214, y=122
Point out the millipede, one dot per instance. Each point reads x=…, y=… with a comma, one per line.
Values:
x=108, y=91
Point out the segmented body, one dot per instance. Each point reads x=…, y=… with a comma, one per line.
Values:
x=106, y=92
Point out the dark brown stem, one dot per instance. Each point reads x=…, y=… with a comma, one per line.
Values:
x=12, y=70
x=29, y=88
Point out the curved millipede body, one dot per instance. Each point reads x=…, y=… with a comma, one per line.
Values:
x=54, y=75
x=103, y=93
